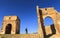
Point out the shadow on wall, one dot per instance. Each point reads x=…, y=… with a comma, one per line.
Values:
x=53, y=31
x=41, y=20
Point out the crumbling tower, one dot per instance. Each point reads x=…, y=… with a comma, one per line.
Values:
x=10, y=25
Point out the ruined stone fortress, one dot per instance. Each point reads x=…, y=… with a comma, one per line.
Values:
x=11, y=25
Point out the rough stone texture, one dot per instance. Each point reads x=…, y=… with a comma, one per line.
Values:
x=20, y=36
x=55, y=36
x=48, y=30
x=52, y=31
x=15, y=23
x=42, y=14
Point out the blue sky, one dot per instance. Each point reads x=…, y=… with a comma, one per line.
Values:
x=26, y=11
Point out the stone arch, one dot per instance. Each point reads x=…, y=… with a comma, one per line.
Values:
x=53, y=16
x=42, y=13
x=50, y=27
x=8, y=29
x=13, y=22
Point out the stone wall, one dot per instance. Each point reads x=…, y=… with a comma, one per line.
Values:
x=48, y=30
x=20, y=36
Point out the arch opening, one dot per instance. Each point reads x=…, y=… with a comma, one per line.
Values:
x=8, y=29
x=48, y=21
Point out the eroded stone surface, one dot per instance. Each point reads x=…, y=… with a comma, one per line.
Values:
x=48, y=31
x=10, y=25
x=52, y=31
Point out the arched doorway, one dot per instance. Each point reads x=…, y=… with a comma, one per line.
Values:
x=48, y=21
x=8, y=29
